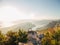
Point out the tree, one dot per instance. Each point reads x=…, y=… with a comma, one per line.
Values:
x=1, y=38
x=56, y=36
x=47, y=39
x=12, y=38
x=22, y=36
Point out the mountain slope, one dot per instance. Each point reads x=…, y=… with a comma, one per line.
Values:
x=24, y=26
x=52, y=24
x=32, y=24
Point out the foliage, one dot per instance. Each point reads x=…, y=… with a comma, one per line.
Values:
x=13, y=38
x=53, y=39
x=1, y=38
x=22, y=36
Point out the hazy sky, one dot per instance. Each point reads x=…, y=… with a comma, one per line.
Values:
x=12, y=10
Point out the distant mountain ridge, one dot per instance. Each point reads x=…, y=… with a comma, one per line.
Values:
x=34, y=25
x=52, y=24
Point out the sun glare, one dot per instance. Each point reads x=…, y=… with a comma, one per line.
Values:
x=9, y=14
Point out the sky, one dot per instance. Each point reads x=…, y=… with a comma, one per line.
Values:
x=13, y=10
